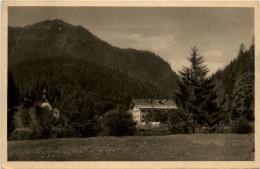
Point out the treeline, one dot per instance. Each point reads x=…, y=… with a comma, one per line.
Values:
x=42, y=124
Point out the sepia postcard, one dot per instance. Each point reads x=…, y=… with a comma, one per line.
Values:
x=119, y=84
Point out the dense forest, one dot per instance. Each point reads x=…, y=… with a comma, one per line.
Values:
x=68, y=80
x=235, y=86
x=92, y=84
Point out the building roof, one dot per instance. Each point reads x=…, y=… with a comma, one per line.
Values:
x=154, y=103
x=44, y=100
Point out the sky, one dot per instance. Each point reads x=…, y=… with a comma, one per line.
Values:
x=169, y=32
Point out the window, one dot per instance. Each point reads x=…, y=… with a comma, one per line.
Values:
x=149, y=110
x=143, y=110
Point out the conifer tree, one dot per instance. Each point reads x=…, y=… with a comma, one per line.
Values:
x=241, y=49
x=209, y=107
x=195, y=92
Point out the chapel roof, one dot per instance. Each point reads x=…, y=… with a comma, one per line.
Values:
x=44, y=100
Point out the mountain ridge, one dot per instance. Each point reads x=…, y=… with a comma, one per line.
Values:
x=55, y=38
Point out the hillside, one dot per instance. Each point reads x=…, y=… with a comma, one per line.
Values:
x=70, y=80
x=234, y=86
x=51, y=39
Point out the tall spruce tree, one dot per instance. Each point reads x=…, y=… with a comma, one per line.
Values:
x=210, y=111
x=195, y=94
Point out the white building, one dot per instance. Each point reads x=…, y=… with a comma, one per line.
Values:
x=144, y=106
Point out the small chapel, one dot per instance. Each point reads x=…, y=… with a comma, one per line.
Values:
x=44, y=102
x=46, y=105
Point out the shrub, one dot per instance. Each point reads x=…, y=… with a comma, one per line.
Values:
x=178, y=128
x=56, y=132
x=46, y=122
x=241, y=126
x=37, y=133
x=157, y=116
x=25, y=117
x=118, y=123
x=21, y=134
x=153, y=132
x=79, y=120
x=177, y=122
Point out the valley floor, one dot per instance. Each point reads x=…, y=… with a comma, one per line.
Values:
x=196, y=147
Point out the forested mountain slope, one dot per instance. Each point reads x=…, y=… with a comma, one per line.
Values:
x=70, y=80
x=235, y=86
x=51, y=39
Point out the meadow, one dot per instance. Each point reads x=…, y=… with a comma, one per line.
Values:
x=183, y=147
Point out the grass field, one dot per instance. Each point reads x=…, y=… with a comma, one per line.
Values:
x=197, y=147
